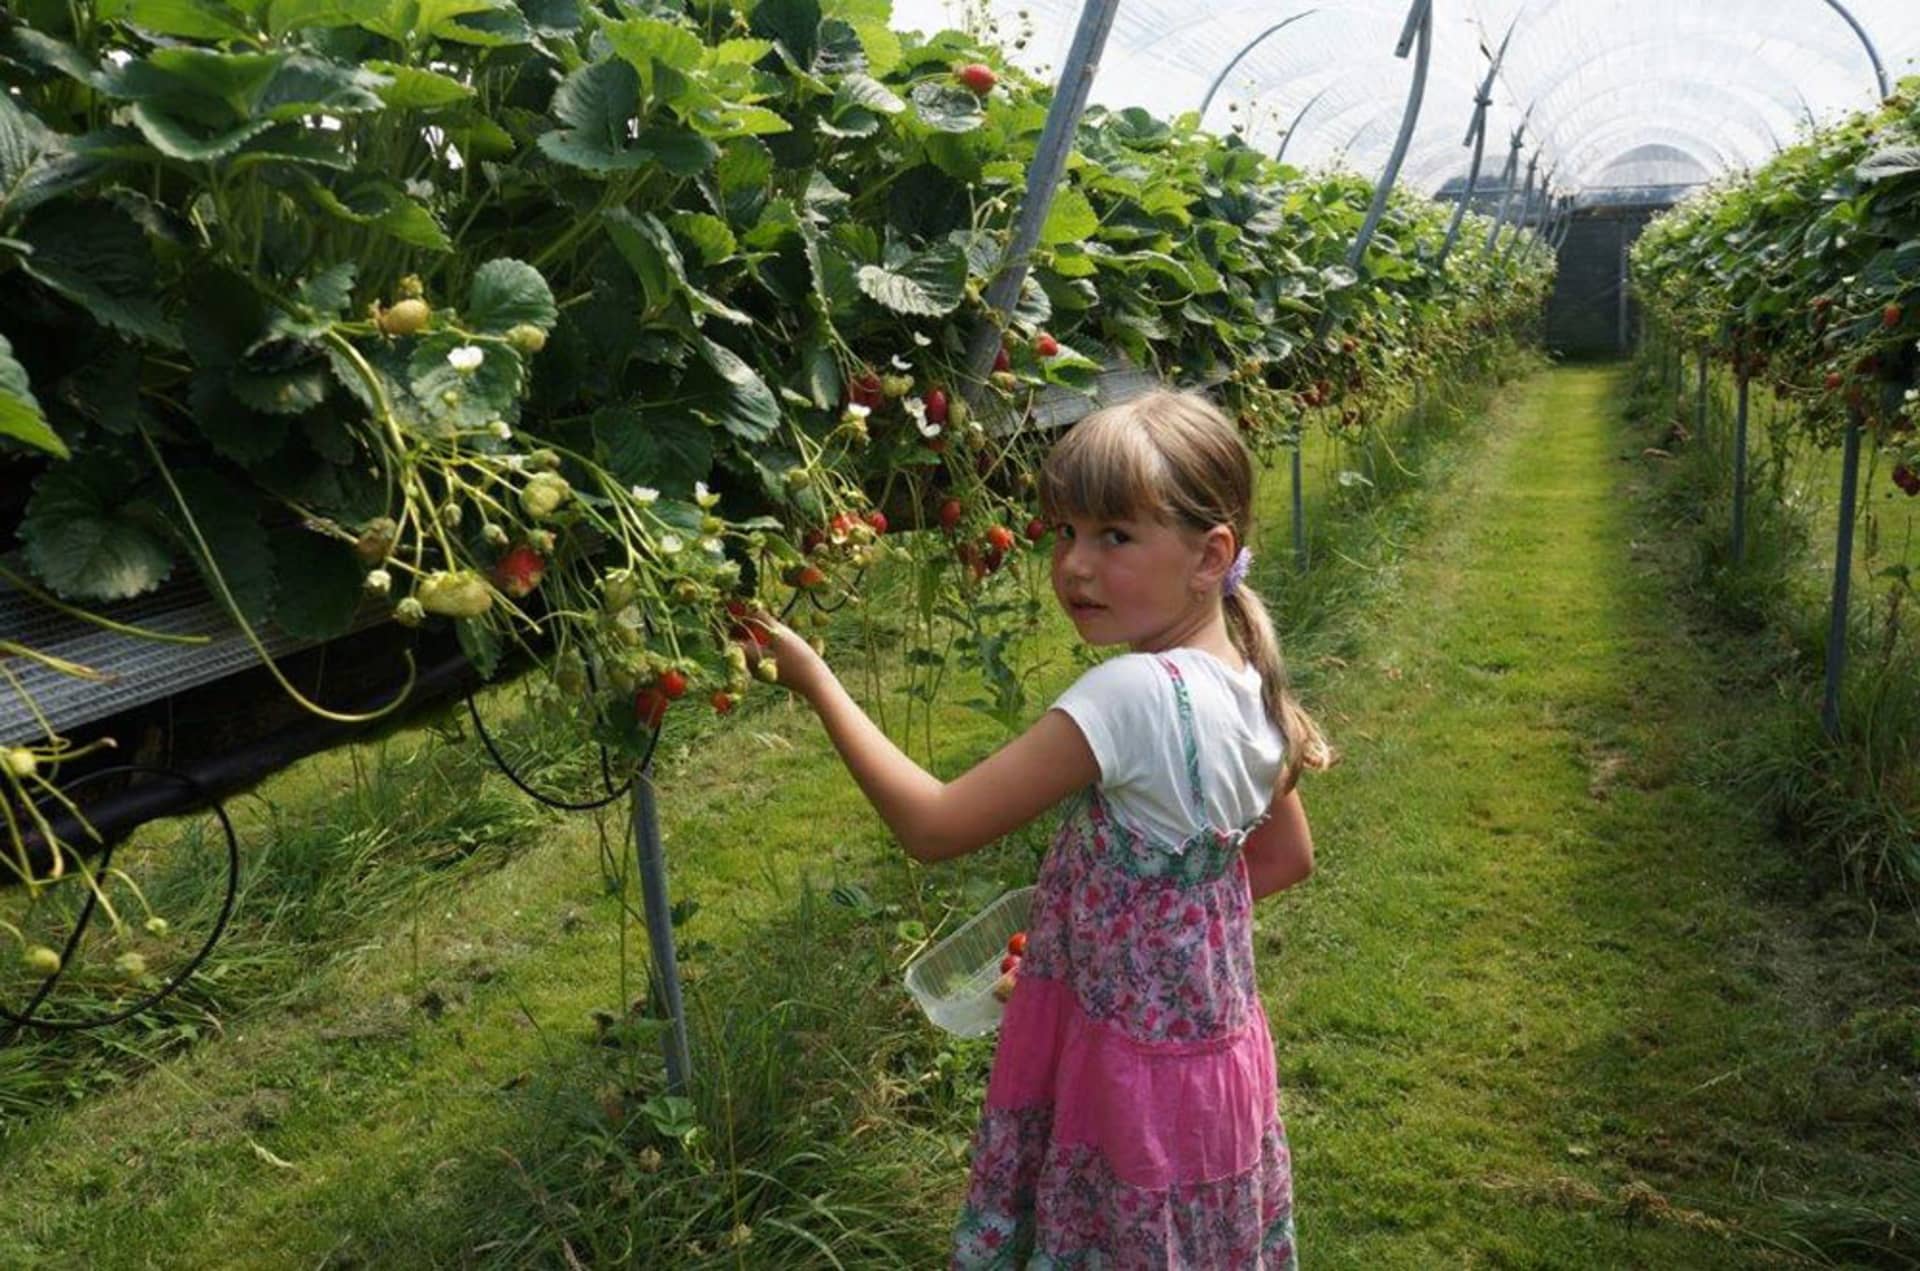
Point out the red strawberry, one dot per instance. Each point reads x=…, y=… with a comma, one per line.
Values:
x=1036, y=530
x=806, y=577
x=1008, y=963
x=1907, y=479
x=519, y=571
x=994, y=558
x=1001, y=538
x=936, y=401
x=1834, y=380
x=723, y=702
x=865, y=390
x=650, y=706
x=812, y=539
x=950, y=513
x=842, y=523
x=977, y=78
x=1045, y=345
x=878, y=520
x=1890, y=316
x=1017, y=944
x=672, y=683
x=938, y=445
x=1001, y=362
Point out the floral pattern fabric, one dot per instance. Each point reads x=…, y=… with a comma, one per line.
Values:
x=1131, y=1119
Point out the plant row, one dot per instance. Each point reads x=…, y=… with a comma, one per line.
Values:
x=591, y=327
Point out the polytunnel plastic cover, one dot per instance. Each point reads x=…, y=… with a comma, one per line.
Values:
x=1603, y=93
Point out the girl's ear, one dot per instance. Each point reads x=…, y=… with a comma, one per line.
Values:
x=1217, y=551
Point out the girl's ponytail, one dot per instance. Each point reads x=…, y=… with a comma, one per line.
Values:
x=1251, y=630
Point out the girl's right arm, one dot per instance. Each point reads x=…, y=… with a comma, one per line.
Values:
x=933, y=819
x=1279, y=853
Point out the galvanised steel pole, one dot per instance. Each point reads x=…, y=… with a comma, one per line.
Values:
x=1477, y=138
x=1842, y=576
x=1526, y=204
x=1873, y=53
x=1245, y=49
x=1280, y=155
x=1043, y=178
x=1419, y=26
x=659, y=914
x=1506, y=198
x=1700, y=401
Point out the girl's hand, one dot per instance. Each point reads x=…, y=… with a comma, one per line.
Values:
x=770, y=640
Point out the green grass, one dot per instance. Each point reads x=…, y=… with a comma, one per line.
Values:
x=1542, y=1004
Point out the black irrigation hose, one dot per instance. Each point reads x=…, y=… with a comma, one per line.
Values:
x=563, y=805
x=26, y=1019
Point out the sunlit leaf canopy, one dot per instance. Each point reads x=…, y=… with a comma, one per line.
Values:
x=1612, y=93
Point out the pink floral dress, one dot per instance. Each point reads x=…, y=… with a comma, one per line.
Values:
x=1131, y=1118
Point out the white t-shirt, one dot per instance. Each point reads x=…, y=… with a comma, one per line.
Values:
x=1127, y=710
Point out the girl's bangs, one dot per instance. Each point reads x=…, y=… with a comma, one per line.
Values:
x=1103, y=470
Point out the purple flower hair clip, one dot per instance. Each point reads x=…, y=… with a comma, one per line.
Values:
x=1237, y=572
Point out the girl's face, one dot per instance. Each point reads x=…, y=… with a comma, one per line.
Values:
x=1137, y=582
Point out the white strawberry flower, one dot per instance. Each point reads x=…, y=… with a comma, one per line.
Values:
x=379, y=582
x=630, y=617
x=900, y=364
x=644, y=494
x=670, y=544
x=921, y=340
x=856, y=411
x=703, y=496
x=467, y=358
x=713, y=546
x=917, y=410
x=501, y=428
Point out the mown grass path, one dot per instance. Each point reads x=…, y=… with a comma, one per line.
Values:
x=1531, y=1010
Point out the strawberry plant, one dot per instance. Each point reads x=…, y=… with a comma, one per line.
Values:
x=569, y=324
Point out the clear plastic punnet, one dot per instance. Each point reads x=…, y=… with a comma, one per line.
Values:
x=953, y=981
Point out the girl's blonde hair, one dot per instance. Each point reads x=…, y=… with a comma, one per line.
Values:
x=1175, y=458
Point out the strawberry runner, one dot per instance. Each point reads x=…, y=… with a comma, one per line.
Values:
x=1131, y=1117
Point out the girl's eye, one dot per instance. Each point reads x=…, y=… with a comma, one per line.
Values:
x=1118, y=536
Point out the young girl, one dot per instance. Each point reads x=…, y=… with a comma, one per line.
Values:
x=1131, y=1118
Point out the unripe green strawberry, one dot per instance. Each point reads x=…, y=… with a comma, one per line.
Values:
x=19, y=761
x=958, y=412
x=408, y=317
x=376, y=540
x=409, y=613
x=768, y=670
x=157, y=926
x=40, y=959
x=459, y=593
x=131, y=965
x=527, y=338
x=543, y=494
x=896, y=385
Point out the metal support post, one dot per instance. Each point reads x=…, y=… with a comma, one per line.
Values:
x=1245, y=49
x=1286, y=139
x=1842, y=575
x=1506, y=179
x=1873, y=53
x=1043, y=178
x=659, y=914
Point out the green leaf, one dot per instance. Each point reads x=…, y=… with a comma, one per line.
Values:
x=35, y=163
x=707, y=233
x=229, y=523
x=98, y=258
x=20, y=416
x=930, y=284
x=321, y=300
x=84, y=537
x=668, y=450
x=382, y=205
x=1069, y=220
x=734, y=396
x=596, y=102
x=414, y=88
x=646, y=43
x=794, y=23
x=947, y=107
x=320, y=584
x=1894, y=161
x=507, y=293
x=489, y=392
x=190, y=19
x=480, y=643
